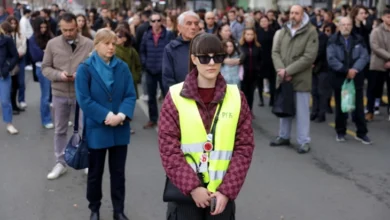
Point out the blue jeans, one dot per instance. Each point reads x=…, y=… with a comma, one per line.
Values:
x=45, y=96
x=21, y=80
x=5, y=98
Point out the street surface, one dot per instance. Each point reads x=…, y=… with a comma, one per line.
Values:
x=348, y=181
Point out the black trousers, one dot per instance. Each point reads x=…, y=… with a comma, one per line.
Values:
x=116, y=161
x=272, y=85
x=14, y=91
x=248, y=88
x=376, y=79
x=321, y=93
x=152, y=82
x=341, y=118
x=192, y=212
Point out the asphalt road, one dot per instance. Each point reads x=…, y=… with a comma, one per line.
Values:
x=348, y=181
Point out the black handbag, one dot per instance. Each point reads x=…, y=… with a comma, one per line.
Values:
x=173, y=194
x=284, y=104
x=76, y=152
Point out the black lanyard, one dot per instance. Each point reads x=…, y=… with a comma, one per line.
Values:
x=212, y=130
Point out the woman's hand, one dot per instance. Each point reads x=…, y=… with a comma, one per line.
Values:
x=201, y=197
x=113, y=121
x=222, y=201
x=231, y=62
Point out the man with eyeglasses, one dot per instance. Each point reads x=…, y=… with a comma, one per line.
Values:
x=176, y=53
x=151, y=52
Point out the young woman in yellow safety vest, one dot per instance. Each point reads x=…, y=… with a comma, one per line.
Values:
x=205, y=138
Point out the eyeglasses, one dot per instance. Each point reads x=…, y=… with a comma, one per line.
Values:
x=154, y=21
x=205, y=59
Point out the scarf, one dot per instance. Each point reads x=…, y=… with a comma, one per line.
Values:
x=104, y=70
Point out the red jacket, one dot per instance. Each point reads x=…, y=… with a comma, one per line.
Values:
x=176, y=167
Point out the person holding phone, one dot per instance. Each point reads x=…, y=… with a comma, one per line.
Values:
x=221, y=146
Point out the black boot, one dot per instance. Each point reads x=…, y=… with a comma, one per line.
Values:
x=321, y=119
x=120, y=216
x=313, y=117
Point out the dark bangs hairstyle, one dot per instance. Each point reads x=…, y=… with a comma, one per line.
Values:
x=203, y=44
x=235, y=49
x=123, y=32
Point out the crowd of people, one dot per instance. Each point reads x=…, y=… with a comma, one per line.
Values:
x=99, y=59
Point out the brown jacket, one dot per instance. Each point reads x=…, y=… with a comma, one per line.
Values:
x=380, y=48
x=59, y=57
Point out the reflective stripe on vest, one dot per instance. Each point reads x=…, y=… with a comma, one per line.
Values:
x=193, y=133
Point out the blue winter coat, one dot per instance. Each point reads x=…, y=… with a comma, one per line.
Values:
x=151, y=55
x=8, y=56
x=35, y=51
x=175, y=62
x=96, y=102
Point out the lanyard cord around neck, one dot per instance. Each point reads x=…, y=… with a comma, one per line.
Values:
x=213, y=127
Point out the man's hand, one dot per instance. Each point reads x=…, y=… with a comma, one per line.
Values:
x=64, y=76
x=222, y=201
x=351, y=73
x=282, y=73
x=387, y=65
x=113, y=121
x=201, y=196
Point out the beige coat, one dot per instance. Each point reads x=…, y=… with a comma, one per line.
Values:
x=296, y=52
x=380, y=48
x=59, y=57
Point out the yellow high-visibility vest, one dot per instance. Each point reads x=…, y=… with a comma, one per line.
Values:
x=193, y=134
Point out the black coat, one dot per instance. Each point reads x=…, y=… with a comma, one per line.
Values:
x=266, y=39
x=251, y=61
x=321, y=64
x=8, y=55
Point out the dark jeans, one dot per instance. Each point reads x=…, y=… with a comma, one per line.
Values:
x=341, y=118
x=192, y=212
x=152, y=82
x=260, y=85
x=14, y=91
x=376, y=79
x=248, y=88
x=116, y=161
x=321, y=93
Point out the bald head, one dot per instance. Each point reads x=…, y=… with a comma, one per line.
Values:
x=296, y=15
x=345, y=26
x=210, y=18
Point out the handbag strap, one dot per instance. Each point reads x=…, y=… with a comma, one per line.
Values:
x=193, y=160
x=76, y=119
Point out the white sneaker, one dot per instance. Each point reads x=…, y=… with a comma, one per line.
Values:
x=12, y=130
x=70, y=124
x=86, y=171
x=29, y=67
x=57, y=171
x=49, y=126
x=23, y=105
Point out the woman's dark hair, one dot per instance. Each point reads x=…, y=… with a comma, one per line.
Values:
x=219, y=29
x=332, y=27
x=7, y=28
x=355, y=11
x=203, y=44
x=124, y=24
x=122, y=31
x=107, y=22
x=85, y=31
x=235, y=49
x=40, y=38
x=12, y=18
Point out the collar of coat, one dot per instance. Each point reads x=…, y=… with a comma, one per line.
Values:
x=190, y=88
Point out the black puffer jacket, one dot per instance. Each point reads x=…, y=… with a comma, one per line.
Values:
x=8, y=55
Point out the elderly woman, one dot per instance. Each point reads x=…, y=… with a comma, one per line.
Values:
x=105, y=93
